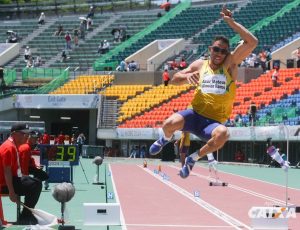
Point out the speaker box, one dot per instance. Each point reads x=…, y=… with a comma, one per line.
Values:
x=290, y=63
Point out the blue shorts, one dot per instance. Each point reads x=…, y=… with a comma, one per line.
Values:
x=198, y=125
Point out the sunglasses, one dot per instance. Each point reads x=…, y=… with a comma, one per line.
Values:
x=217, y=49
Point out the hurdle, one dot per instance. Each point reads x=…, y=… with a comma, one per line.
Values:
x=217, y=183
x=214, y=176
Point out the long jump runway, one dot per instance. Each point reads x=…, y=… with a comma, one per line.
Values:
x=164, y=201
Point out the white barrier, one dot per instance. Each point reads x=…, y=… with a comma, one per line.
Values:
x=101, y=214
x=270, y=217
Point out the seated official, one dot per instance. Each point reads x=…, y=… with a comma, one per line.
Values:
x=28, y=165
x=12, y=181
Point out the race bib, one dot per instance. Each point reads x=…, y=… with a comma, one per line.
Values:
x=215, y=84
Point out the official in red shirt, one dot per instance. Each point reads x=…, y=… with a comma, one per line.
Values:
x=28, y=165
x=46, y=139
x=61, y=139
x=11, y=179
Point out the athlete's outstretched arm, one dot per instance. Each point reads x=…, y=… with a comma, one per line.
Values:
x=249, y=40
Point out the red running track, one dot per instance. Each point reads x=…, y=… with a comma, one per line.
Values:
x=151, y=201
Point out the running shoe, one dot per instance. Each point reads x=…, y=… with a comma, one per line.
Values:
x=157, y=146
x=188, y=166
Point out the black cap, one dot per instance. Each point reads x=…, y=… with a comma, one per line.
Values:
x=20, y=127
x=34, y=134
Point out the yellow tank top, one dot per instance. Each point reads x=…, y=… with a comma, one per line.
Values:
x=215, y=93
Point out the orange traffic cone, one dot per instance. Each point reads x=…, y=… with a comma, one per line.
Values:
x=159, y=168
x=145, y=164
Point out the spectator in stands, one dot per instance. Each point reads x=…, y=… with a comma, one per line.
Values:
x=37, y=61
x=64, y=56
x=104, y=46
x=263, y=60
x=59, y=31
x=174, y=65
x=245, y=121
x=68, y=40
x=100, y=47
x=253, y=60
x=116, y=33
x=27, y=53
x=166, y=6
x=122, y=67
x=82, y=29
x=250, y=61
x=29, y=62
x=11, y=179
x=229, y=123
x=296, y=56
x=238, y=119
x=27, y=162
x=89, y=24
x=214, y=96
x=166, y=66
x=182, y=64
x=275, y=76
x=12, y=37
x=45, y=139
x=42, y=19
x=166, y=77
x=133, y=66
x=123, y=33
x=76, y=33
x=91, y=12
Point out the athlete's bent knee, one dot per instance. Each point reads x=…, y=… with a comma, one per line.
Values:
x=221, y=134
x=173, y=123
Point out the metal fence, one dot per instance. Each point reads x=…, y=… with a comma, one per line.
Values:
x=33, y=8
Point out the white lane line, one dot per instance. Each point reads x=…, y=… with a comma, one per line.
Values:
x=179, y=226
x=250, y=178
x=122, y=219
x=251, y=192
x=210, y=208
